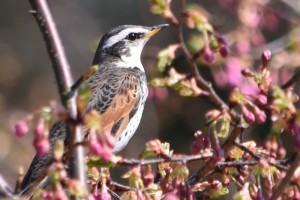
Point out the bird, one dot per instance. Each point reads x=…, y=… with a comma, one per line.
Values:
x=119, y=92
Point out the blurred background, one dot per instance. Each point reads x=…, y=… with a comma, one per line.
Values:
x=27, y=81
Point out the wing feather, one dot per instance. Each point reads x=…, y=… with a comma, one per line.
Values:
x=117, y=96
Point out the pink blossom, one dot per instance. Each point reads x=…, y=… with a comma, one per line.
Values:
x=248, y=89
x=42, y=146
x=243, y=47
x=208, y=55
x=110, y=140
x=220, y=78
x=104, y=195
x=40, y=128
x=266, y=57
x=147, y=176
x=106, y=154
x=21, y=128
x=96, y=147
x=247, y=72
x=60, y=195
x=262, y=99
x=224, y=50
x=260, y=115
x=171, y=196
x=102, y=146
x=233, y=71
x=248, y=115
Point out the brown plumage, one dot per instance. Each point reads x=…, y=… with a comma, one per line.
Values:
x=119, y=94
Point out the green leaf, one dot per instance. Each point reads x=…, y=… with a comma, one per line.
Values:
x=158, y=82
x=239, y=196
x=217, y=193
x=224, y=127
x=98, y=162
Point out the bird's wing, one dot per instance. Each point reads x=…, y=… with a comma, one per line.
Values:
x=116, y=97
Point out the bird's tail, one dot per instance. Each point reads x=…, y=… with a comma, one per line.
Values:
x=36, y=176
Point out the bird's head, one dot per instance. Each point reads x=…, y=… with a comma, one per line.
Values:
x=125, y=42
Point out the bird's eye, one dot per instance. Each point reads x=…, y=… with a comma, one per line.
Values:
x=132, y=36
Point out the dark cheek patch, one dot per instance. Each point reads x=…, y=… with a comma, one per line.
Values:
x=120, y=49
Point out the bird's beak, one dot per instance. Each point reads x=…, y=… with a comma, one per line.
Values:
x=156, y=29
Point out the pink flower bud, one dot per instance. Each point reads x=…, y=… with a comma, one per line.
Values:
x=60, y=195
x=247, y=73
x=221, y=39
x=260, y=115
x=294, y=128
x=42, y=146
x=104, y=195
x=148, y=178
x=266, y=57
x=171, y=196
x=47, y=194
x=224, y=51
x=248, y=115
x=40, y=128
x=110, y=140
x=208, y=55
x=106, y=154
x=21, y=128
x=262, y=99
x=96, y=147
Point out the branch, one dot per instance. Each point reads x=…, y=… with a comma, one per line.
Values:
x=119, y=187
x=287, y=179
x=292, y=81
x=64, y=80
x=238, y=163
x=212, y=164
x=258, y=157
x=180, y=158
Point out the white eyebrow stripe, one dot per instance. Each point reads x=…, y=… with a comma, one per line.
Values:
x=121, y=35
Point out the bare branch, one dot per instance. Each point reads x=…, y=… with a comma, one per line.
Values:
x=64, y=80
x=177, y=158
x=292, y=81
x=119, y=187
x=258, y=157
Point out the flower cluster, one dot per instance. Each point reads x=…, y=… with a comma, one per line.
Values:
x=253, y=105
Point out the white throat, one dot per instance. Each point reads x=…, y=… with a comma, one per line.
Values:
x=134, y=60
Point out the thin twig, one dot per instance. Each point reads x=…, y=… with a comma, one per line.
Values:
x=236, y=163
x=258, y=157
x=177, y=158
x=64, y=80
x=292, y=81
x=287, y=179
x=212, y=95
x=119, y=187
